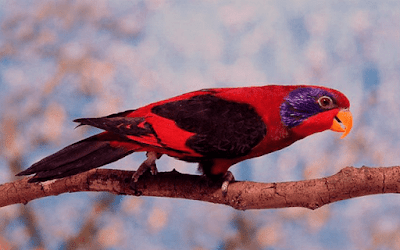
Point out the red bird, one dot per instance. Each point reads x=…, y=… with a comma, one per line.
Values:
x=215, y=127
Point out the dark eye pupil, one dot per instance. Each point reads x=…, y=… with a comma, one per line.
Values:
x=325, y=101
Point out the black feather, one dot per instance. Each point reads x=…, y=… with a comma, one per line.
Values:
x=119, y=125
x=223, y=129
x=79, y=157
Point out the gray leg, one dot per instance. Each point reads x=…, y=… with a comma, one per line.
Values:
x=227, y=177
x=149, y=163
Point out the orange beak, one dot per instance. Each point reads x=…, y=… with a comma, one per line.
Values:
x=343, y=122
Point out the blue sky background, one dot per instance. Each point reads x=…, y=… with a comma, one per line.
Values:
x=60, y=60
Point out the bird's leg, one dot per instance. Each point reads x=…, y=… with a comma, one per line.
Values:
x=206, y=166
x=227, y=178
x=149, y=163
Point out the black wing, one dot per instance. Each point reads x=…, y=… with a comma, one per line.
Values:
x=223, y=129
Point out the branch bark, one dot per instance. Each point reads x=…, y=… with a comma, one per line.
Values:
x=348, y=183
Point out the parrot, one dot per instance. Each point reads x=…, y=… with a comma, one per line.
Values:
x=216, y=128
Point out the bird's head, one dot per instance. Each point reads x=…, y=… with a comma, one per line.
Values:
x=310, y=109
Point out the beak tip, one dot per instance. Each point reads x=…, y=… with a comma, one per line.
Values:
x=346, y=119
x=345, y=134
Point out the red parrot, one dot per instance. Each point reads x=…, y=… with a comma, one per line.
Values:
x=215, y=127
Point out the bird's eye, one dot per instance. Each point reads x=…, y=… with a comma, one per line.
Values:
x=325, y=102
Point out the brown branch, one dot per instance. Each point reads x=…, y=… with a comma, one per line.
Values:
x=348, y=183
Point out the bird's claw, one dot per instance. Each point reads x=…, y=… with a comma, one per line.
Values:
x=148, y=164
x=227, y=178
x=140, y=171
x=153, y=169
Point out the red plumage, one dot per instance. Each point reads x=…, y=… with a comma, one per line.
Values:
x=215, y=127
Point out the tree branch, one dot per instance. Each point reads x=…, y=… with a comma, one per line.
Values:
x=348, y=183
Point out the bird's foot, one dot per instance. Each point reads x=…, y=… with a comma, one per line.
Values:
x=227, y=178
x=148, y=164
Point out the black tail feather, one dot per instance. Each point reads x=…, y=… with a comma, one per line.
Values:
x=79, y=157
x=118, y=125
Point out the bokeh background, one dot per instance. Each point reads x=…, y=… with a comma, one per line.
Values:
x=66, y=59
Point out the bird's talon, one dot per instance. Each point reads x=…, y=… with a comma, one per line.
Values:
x=139, y=172
x=228, y=178
x=148, y=164
x=153, y=169
x=224, y=187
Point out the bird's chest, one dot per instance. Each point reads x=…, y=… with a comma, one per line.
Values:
x=275, y=139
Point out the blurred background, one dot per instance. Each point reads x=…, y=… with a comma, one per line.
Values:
x=61, y=60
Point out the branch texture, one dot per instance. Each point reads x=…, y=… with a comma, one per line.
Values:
x=348, y=183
